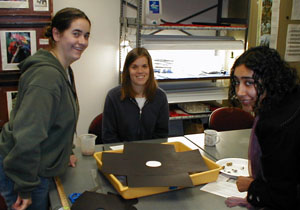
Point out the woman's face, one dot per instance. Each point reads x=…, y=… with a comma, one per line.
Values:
x=72, y=42
x=139, y=72
x=245, y=87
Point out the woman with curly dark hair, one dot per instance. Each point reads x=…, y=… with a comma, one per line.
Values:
x=263, y=83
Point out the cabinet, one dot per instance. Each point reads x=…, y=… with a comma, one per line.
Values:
x=229, y=26
x=221, y=32
x=236, y=19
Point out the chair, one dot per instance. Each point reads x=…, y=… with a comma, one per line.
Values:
x=96, y=128
x=230, y=118
x=2, y=203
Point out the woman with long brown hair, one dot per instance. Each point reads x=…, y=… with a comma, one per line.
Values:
x=137, y=109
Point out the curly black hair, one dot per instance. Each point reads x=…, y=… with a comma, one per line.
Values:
x=272, y=75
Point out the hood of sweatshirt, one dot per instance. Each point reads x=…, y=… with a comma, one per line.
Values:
x=41, y=58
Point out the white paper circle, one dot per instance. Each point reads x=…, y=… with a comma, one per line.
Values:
x=153, y=163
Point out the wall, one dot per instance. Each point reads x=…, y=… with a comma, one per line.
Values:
x=175, y=10
x=97, y=70
x=284, y=20
x=253, y=20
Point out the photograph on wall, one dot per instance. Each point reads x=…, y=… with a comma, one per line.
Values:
x=268, y=25
x=14, y=3
x=41, y=5
x=11, y=100
x=265, y=28
x=15, y=47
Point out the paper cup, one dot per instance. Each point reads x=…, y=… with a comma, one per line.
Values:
x=87, y=144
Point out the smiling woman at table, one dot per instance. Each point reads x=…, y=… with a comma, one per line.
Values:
x=263, y=83
x=138, y=109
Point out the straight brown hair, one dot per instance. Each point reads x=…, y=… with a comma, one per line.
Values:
x=151, y=84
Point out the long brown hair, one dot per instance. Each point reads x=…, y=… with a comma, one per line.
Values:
x=151, y=84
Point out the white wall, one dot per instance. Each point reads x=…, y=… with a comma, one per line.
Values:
x=97, y=70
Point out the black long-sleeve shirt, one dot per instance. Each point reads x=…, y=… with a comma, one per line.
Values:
x=278, y=133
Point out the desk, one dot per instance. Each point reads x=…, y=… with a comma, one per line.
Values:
x=80, y=178
x=233, y=144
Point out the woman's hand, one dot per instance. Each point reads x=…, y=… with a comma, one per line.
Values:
x=243, y=183
x=73, y=160
x=21, y=203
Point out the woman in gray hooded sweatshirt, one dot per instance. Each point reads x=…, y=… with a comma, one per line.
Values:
x=36, y=143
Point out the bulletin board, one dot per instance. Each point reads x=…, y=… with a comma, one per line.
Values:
x=26, y=7
x=22, y=25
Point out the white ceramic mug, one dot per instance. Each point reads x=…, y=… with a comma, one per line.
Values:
x=211, y=137
x=87, y=144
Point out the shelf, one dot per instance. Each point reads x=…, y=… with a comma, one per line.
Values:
x=23, y=24
x=194, y=36
x=202, y=78
x=163, y=38
x=229, y=22
x=177, y=42
x=207, y=94
x=195, y=116
x=191, y=27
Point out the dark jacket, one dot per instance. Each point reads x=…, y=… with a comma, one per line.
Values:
x=278, y=133
x=37, y=140
x=124, y=121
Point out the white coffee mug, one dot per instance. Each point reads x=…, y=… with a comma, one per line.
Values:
x=211, y=137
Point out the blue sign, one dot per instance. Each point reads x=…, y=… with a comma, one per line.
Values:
x=154, y=7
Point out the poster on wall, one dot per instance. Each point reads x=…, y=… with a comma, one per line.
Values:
x=15, y=47
x=296, y=10
x=292, y=50
x=11, y=100
x=14, y=3
x=269, y=23
x=41, y=5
